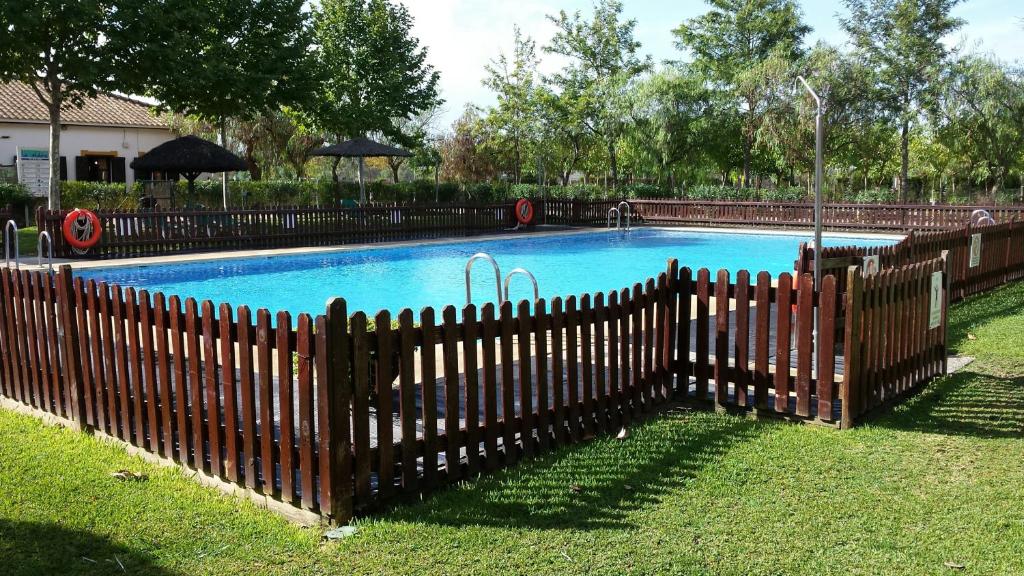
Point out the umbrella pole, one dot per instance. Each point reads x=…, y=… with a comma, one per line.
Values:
x=362, y=185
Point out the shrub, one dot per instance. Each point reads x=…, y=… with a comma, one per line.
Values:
x=16, y=196
x=99, y=195
x=876, y=196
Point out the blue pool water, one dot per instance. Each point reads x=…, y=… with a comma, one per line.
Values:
x=393, y=278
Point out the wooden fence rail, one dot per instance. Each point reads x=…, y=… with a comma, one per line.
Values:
x=138, y=233
x=837, y=216
x=335, y=417
x=130, y=234
x=336, y=414
x=999, y=256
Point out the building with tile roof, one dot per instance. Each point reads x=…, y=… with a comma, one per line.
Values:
x=98, y=140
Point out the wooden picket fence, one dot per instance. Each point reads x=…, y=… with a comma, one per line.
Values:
x=335, y=417
x=903, y=217
x=1000, y=259
x=127, y=234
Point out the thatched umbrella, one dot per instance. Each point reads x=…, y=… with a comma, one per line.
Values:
x=190, y=156
x=361, y=148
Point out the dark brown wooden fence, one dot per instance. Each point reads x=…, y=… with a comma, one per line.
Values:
x=332, y=416
x=1000, y=258
x=337, y=414
x=801, y=214
x=131, y=234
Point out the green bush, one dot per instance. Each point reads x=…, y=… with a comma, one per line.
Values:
x=876, y=196
x=99, y=195
x=16, y=196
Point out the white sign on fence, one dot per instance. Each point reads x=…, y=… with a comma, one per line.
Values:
x=975, y=250
x=935, y=312
x=871, y=265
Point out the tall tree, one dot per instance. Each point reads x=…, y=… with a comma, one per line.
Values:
x=980, y=111
x=67, y=51
x=665, y=111
x=902, y=41
x=513, y=80
x=233, y=59
x=733, y=43
x=604, y=60
x=372, y=71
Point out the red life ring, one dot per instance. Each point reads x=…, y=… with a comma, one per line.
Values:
x=524, y=211
x=78, y=221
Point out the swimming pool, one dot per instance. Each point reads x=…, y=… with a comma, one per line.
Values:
x=415, y=276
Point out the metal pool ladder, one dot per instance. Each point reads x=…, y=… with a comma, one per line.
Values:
x=49, y=253
x=629, y=214
x=497, y=276
x=524, y=272
x=618, y=217
x=982, y=218
x=11, y=239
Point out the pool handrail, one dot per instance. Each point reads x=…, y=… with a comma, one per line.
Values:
x=629, y=214
x=8, y=242
x=618, y=218
x=497, y=275
x=528, y=274
x=49, y=253
x=982, y=217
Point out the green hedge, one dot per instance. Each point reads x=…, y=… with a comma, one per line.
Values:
x=16, y=196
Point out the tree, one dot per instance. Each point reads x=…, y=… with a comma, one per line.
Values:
x=603, y=62
x=513, y=81
x=980, y=111
x=665, y=111
x=233, y=59
x=68, y=51
x=372, y=71
x=464, y=151
x=901, y=40
x=733, y=43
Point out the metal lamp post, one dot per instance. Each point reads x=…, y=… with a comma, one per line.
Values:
x=819, y=140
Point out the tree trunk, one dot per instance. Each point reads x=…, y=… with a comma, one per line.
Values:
x=613, y=158
x=437, y=183
x=224, y=175
x=54, y=172
x=904, y=160
x=748, y=145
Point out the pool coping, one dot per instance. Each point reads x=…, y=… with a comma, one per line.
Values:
x=194, y=257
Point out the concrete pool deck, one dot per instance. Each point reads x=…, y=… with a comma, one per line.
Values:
x=548, y=231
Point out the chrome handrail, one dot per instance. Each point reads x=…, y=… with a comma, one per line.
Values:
x=629, y=213
x=982, y=217
x=49, y=251
x=497, y=275
x=12, y=241
x=528, y=274
x=618, y=218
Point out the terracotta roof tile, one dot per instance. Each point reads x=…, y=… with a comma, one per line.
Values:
x=19, y=103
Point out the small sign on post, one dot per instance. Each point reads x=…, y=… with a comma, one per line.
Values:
x=935, y=311
x=871, y=265
x=975, y=250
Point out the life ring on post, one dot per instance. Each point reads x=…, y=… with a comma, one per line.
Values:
x=82, y=229
x=524, y=211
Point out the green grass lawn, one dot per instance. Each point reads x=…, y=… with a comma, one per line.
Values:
x=936, y=486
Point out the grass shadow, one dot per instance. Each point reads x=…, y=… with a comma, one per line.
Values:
x=594, y=485
x=48, y=548
x=967, y=403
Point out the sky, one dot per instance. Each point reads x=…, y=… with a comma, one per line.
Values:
x=462, y=36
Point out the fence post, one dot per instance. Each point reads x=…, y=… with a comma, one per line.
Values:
x=946, y=299
x=70, y=354
x=339, y=398
x=1008, y=251
x=851, y=390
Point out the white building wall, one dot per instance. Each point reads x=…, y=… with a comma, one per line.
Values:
x=74, y=140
